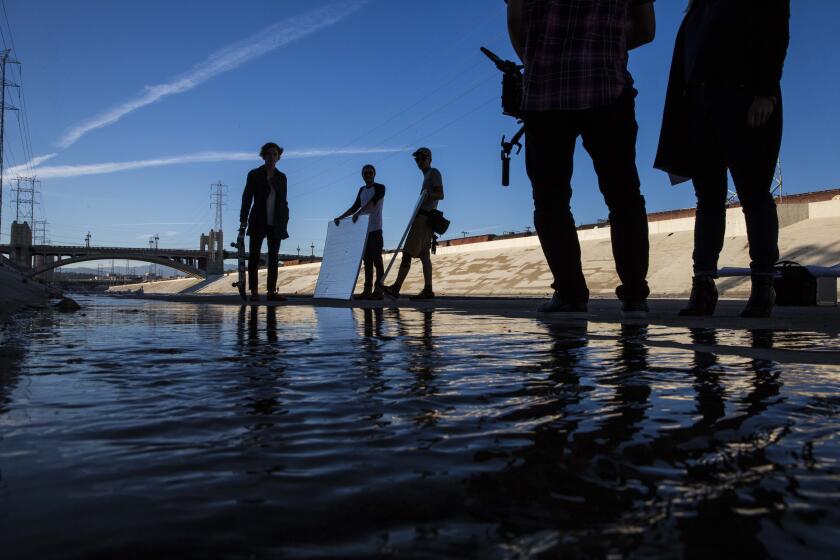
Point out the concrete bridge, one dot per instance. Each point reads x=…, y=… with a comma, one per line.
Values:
x=39, y=259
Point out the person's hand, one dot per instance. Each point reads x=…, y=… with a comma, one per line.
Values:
x=760, y=111
x=355, y=218
x=337, y=221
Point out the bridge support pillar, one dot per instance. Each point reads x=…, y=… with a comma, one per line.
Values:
x=21, y=245
x=213, y=244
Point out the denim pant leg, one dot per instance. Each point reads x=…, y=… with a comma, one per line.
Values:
x=549, y=150
x=710, y=189
x=751, y=155
x=609, y=135
x=273, y=263
x=254, y=248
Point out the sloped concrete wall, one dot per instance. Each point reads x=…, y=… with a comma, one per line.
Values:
x=516, y=267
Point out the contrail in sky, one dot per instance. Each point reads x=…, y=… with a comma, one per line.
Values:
x=59, y=171
x=228, y=58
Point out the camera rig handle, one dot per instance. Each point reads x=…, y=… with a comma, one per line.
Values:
x=507, y=148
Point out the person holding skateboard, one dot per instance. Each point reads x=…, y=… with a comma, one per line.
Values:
x=265, y=213
x=369, y=200
x=418, y=244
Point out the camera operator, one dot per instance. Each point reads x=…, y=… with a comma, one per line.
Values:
x=577, y=84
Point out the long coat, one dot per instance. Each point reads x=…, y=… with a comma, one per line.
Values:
x=255, y=199
x=756, y=50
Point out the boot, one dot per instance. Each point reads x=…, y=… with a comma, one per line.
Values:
x=762, y=297
x=703, y=299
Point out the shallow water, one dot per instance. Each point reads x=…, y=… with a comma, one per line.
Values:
x=152, y=429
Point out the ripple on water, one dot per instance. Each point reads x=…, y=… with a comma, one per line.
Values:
x=166, y=428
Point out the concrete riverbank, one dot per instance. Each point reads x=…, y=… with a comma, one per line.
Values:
x=17, y=291
x=517, y=268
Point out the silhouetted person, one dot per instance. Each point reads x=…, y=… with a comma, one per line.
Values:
x=723, y=111
x=265, y=198
x=577, y=84
x=369, y=200
x=418, y=244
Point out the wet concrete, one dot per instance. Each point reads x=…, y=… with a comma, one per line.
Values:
x=663, y=312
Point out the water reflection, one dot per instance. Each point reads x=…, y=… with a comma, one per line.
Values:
x=293, y=431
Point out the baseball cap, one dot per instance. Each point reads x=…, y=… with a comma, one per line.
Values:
x=423, y=152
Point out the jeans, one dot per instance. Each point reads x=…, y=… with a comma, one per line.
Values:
x=254, y=248
x=373, y=258
x=721, y=141
x=609, y=136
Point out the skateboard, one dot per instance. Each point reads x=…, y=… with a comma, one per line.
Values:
x=242, y=264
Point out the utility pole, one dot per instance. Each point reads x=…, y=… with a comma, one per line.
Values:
x=218, y=194
x=87, y=240
x=298, y=250
x=778, y=179
x=313, y=250
x=4, y=60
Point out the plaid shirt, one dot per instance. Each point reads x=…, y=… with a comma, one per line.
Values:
x=575, y=53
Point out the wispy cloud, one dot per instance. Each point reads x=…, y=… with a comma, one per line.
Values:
x=63, y=171
x=144, y=224
x=221, y=61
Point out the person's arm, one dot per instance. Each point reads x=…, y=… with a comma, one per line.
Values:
x=247, y=199
x=356, y=205
x=774, y=22
x=435, y=189
x=642, y=25
x=378, y=194
x=516, y=21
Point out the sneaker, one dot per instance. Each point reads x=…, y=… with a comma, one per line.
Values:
x=273, y=296
x=254, y=297
x=376, y=295
x=427, y=293
x=391, y=292
x=557, y=305
x=634, y=309
x=364, y=295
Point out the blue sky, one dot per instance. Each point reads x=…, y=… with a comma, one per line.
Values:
x=201, y=85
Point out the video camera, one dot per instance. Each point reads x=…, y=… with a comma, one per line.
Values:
x=512, y=84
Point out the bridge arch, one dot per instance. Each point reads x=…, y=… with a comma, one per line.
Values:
x=163, y=261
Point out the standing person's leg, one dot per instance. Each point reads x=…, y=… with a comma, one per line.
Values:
x=376, y=242
x=609, y=135
x=367, y=262
x=751, y=155
x=550, y=144
x=254, y=248
x=426, y=261
x=273, y=263
x=710, y=190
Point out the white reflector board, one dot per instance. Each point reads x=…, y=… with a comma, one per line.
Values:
x=343, y=253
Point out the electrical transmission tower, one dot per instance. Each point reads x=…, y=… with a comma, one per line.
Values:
x=39, y=232
x=25, y=191
x=218, y=195
x=778, y=180
x=4, y=60
x=776, y=188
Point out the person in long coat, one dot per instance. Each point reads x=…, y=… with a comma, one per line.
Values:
x=723, y=112
x=265, y=213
